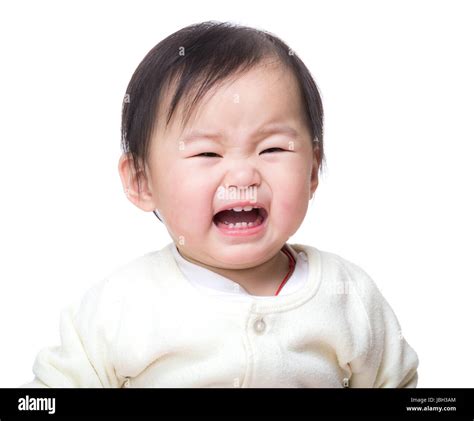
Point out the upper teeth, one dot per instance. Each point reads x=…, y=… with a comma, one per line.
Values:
x=245, y=208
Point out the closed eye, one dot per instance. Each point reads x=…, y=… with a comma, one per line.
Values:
x=208, y=155
x=273, y=150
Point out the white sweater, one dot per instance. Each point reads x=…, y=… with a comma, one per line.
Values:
x=146, y=325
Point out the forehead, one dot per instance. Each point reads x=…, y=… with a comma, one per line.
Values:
x=267, y=92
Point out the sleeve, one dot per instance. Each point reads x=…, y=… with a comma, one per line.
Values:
x=390, y=361
x=84, y=358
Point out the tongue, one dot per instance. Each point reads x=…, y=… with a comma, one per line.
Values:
x=232, y=217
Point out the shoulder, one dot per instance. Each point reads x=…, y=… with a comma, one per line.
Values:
x=144, y=266
x=341, y=274
x=136, y=276
x=336, y=264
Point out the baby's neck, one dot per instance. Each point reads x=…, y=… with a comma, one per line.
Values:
x=262, y=280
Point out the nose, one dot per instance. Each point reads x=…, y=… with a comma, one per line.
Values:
x=242, y=174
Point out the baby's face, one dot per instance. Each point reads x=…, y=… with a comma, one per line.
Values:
x=247, y=145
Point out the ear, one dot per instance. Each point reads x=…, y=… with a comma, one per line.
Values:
x=139, y=194
x=314, y=170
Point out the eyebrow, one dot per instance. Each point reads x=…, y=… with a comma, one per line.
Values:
x=264, y=130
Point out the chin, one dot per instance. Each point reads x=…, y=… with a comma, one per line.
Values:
x=239, y=260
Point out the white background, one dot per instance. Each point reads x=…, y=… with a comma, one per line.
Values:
x=397, y=84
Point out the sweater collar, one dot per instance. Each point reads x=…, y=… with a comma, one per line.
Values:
x=213, y=283
x=177, y=279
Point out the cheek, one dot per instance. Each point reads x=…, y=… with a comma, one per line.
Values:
x=291, y=195
x=186, y=201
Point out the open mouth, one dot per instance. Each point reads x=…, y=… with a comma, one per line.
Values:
x=240, y=218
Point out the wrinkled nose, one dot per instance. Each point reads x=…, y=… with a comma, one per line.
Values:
x=242, y=175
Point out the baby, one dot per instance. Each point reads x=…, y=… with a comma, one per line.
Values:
x=222, y=136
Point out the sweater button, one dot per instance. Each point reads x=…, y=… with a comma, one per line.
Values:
x=259, y=326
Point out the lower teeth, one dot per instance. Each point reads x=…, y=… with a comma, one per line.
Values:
x=244, y=225
x=241, y=225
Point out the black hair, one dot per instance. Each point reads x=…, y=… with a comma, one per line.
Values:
x=202, y=55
